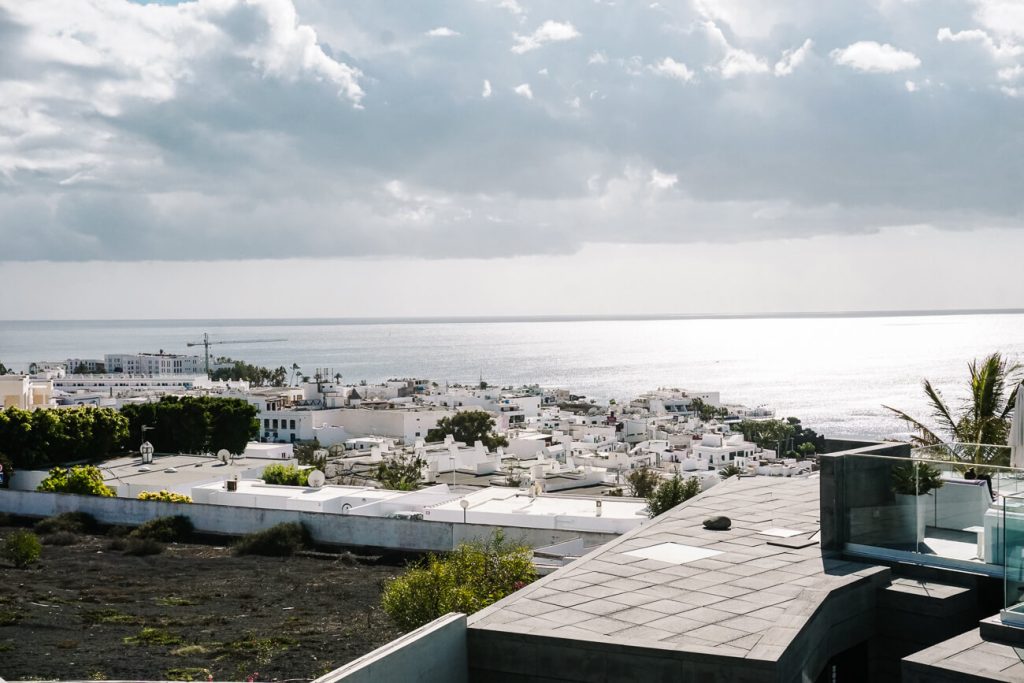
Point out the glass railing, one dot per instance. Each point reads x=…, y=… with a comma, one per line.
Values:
x=1013, y=545
x=944, y=505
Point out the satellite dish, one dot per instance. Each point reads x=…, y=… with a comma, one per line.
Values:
x=224, y=455
x=316, y=479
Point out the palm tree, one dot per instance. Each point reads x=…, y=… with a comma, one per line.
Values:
x=983, y=419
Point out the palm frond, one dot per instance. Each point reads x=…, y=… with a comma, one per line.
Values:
x=927, y=437
x=940, y=411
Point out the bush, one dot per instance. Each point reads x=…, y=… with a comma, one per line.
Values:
x=285, y=475
x=69, y=522
x=281, y=540
x=165, y=529
x=61, y=538
x=141, y=547
x=22, y=548
x=671, y=493
x=165, y=496
x=84, y=480
x=469, y=579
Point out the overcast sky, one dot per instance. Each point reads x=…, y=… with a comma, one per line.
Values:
x=246, y=158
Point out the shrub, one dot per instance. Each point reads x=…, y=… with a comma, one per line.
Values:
x=165, y=529
x=22, y=548
x=671, y=493
x=281, y=540
x=68, y=522
x=285, y=475
x=84, y=480
x=469, y=579
x=165, y=496
x=141, y=547
x=61, y=538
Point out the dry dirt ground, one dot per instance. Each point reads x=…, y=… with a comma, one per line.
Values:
x=85, y=611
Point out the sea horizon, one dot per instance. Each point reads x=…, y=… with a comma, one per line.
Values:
x=555, y=318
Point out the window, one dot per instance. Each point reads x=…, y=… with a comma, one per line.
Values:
x=291, y=424
x=275, y=424
x=266, y=423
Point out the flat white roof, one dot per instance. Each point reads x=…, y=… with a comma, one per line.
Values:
x=507, y=500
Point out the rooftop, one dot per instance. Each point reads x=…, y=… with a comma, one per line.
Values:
x=673, y=585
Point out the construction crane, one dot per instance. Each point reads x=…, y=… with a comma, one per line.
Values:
x=206, y=344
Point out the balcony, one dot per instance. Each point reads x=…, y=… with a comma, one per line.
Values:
x=944, y=506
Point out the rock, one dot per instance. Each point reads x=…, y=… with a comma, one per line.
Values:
x=717, y=523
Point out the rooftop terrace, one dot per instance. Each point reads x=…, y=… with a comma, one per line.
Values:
x=687, y=596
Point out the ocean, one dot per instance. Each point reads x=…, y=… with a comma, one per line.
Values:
x=834, y=373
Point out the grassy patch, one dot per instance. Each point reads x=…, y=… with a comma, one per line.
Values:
x=254, y=649
x=190, y=651
x=9, y=617
x=175, y=601
x=153, y=636
x=7, y=646
x=109, y=616
x=188, y=673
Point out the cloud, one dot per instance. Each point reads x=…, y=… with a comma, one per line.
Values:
x=663, y=181
x=548, y=32
x=670, y=68
x=872, y=57
x=793, y=58
x=227, y=129
x=597, y=58
x=442, y=32
x=999, y=50
x=911, y=86
x=735, y=62
x=512, y=6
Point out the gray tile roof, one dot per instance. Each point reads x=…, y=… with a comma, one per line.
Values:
x=749, y=601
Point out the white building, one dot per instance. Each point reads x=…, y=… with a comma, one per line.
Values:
x=27, y=393
x=152, y=364
x=114, y=385
x=721, y=451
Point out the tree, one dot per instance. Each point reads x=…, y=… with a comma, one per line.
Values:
x=705, y=411
x=401, y=471
x=237, y=370
x=672, y=492
x=306, y=454
x=468, y=426
x=194, y=424
x=642, y=482
x=806, y=449
x=83, y=480
x=472, y=577
x=729, y=471
x=41, y=438
x=983, y=420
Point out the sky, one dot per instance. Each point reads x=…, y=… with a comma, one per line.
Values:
x=298, y=158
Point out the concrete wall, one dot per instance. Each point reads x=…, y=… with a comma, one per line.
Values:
x=329, y=529
x=432, y=653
